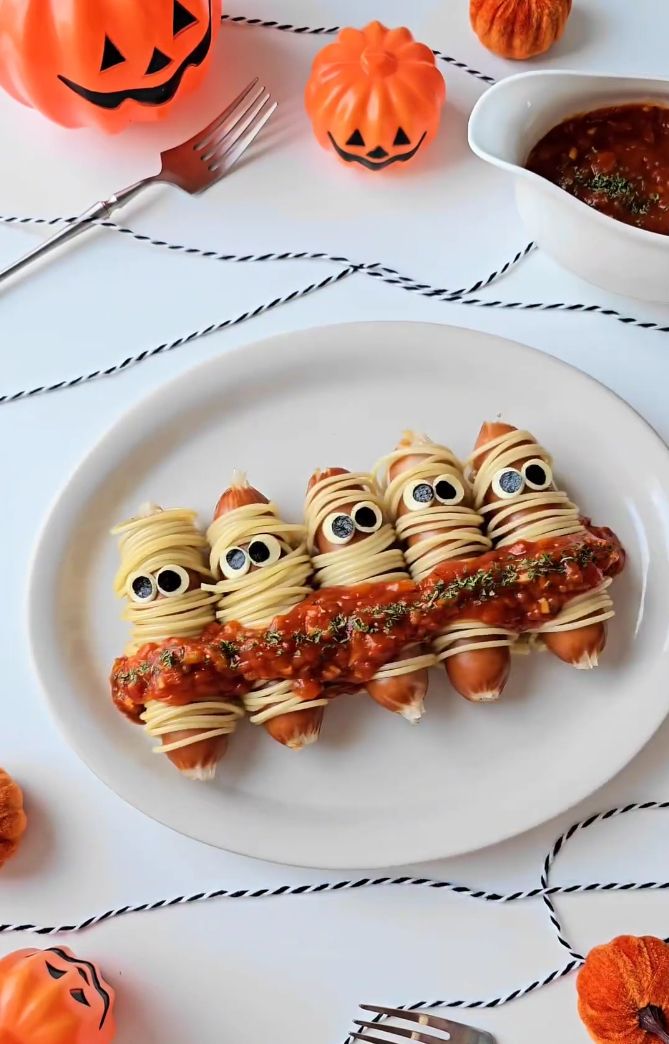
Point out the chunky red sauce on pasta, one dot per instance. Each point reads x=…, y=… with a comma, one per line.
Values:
x=615, y=160
x=342, y=636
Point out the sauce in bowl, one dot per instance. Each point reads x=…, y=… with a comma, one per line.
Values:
x=615, y=160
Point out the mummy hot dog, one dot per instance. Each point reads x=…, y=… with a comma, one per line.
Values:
x=353, y=543
x=163, y=563
x=515, y=492
x=430, y=502
x=263, y=570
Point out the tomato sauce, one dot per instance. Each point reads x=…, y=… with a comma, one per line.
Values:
x=340, y=637
x=615, y=160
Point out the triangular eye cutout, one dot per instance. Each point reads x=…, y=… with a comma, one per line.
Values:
x=111, y=56
x=356, y=138
x=80, y=997
x=55, y=973
x=158, y=61
x=181, y=18
x=401, y=138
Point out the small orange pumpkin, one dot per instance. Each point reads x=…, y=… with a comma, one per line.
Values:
x=104, y=63
x=623, y=991
x=374, y=96
x=519, y=28
x=12, y=817
x=52, y=997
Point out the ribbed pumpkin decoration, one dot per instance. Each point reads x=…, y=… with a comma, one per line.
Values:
x=12, y=816
x=374, y=96
x=52, y=997
x=623, y=991
x=519, y=28
x=104, y=63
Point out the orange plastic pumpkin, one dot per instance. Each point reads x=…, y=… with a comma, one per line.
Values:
x=623, y=991
x=52, y=997
x=374, y=96
x=12, y=817
x=104, y=63
x=519, y=28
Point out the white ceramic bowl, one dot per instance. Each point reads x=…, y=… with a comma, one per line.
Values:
x=504, y=126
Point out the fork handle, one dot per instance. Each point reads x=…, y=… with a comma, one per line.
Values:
x=98, y=212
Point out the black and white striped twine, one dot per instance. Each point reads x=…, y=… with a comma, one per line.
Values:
x=544, y=891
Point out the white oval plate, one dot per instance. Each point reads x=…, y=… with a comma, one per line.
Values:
x=374, y=791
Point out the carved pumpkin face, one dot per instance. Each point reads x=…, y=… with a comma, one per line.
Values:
x=375, y=96
x=103, y=63
x=52, y=997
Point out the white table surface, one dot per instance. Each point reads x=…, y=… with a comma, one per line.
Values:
x=292, y=970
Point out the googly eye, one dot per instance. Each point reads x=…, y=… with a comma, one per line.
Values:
x=538, y=474
x=418, y=495
x=264, y=550
x=448, y=489
x=508, y=483
x=142, y=587
x=338, y=528
x=234, y=562
x=367, y=516
x=172, y=580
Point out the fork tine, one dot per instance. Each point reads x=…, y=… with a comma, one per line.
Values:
x=229, y=132
x=402, y=1031
x=368, y=1039
x=203, y=136
x=239, y=147
x=415, y=1016
x=457, y=1030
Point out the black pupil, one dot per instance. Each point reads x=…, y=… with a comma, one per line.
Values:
x=445, y=490
x=342, y=526
x=142, y=586
x=535, y=474
x=169, y=580
x=365, y=517
x=258, y=551
x=510, y=481
x=235, y=558
x=423, y=493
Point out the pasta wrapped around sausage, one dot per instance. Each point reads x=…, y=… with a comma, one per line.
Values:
x=353, y=543
x=516, y=493
x=163, y=564
x=262, y=569
x=430, y=502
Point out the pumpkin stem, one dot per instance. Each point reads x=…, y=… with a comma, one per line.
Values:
x=651, y=1019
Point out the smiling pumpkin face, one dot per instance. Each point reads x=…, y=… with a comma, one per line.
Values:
x=375, y=96
x=107, y=63
x=52, y=997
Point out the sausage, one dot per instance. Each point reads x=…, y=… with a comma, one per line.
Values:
x=430, y=502
x=515, y=491
x=274, y=574
x=353, y=543
x=163, y=565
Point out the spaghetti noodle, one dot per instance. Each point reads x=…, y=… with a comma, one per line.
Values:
x=163, y=562
x=353, y=543
x=430, y=502
x=263, y=569
x=515, y=492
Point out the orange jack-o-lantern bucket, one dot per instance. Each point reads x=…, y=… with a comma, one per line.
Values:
x=375, y=96
x=104, y=63
x=52, y=997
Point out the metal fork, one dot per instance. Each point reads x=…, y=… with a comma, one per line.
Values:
x=454, y=1032
x=192, y=166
